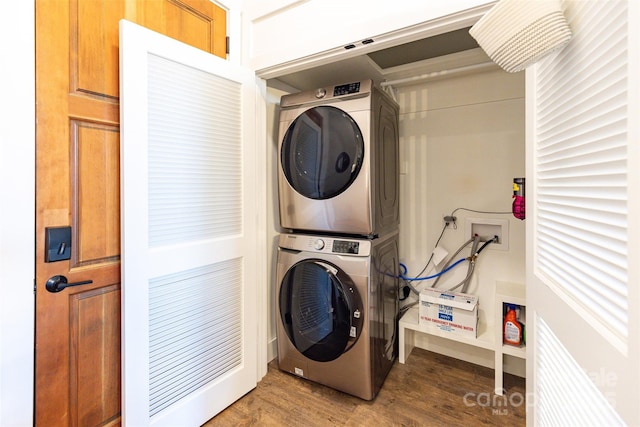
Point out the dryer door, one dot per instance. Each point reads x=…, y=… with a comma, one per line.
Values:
x=320, y=309
x=322, y=152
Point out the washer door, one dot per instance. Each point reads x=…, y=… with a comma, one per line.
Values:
x=320, y=309
x=322, y=152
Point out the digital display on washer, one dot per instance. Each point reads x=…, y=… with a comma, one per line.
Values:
x=346, y=89
x=345, y=247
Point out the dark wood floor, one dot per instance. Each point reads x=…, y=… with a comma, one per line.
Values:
x=429, y=390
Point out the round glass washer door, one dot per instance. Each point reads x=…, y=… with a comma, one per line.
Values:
x=320, y=309
x=322, y=152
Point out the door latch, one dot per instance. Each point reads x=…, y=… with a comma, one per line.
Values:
x=57, y=244
x=58, y=283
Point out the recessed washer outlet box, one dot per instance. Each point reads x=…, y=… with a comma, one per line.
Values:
x=486, y=228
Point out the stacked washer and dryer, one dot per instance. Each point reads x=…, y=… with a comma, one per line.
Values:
x=337, y=286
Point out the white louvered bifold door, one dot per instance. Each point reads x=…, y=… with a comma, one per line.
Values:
x=188, y=231
x=583, y=238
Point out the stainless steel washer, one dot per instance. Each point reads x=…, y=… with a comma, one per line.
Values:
x=337, y=307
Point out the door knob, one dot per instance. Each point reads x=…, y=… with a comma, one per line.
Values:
x=58, y=283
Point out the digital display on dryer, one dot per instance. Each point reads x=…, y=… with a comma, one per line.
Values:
x=345, y=247
x=346, y=89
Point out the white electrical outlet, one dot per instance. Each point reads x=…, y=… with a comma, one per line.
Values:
x=487, y=228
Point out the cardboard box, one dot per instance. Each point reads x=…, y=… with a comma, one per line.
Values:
x=449, y=312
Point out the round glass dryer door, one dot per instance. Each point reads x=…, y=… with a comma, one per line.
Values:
x=322, y=152
x=320, y=309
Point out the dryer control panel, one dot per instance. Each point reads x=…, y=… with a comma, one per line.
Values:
x=327, y=93
x=346, y=89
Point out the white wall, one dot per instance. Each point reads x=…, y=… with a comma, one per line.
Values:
x=273, y=25
x=462, y=143
x=17, y=156
x=273, y=217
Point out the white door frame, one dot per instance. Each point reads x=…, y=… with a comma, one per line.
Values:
x=17, y=215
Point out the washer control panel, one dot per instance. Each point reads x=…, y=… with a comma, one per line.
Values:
x=326, y=244
x=345, y=247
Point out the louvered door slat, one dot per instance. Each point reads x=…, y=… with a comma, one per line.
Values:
x=581, y=154
x=188, y=232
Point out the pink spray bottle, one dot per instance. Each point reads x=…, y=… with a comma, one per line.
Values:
x=518, y=207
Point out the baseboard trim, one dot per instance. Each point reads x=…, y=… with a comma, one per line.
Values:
x=272, y=349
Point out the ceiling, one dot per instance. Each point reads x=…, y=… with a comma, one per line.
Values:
x=419, y=50
x=453, y=49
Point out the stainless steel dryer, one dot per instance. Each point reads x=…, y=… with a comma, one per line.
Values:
x=338, y=165
x=337, y=307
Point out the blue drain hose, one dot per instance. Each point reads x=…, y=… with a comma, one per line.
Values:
x=403, y=269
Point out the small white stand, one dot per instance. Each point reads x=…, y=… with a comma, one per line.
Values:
x=487, y=338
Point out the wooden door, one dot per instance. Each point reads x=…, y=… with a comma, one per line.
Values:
x=77, y=355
